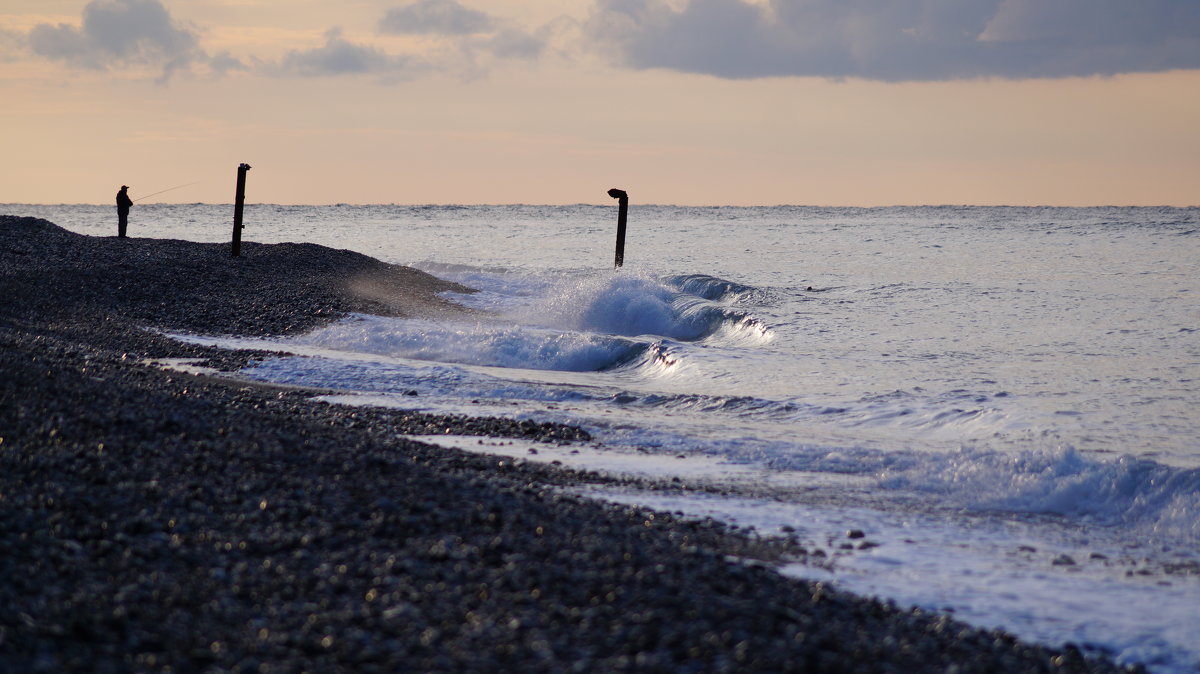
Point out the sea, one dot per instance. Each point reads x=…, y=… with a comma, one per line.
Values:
x=987, y=412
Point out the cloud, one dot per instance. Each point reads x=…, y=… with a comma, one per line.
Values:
x=339, y=56
x=128, y=33
x=467, y=34
x=117, y=33
x=900, y=40
x=12, y=44
x=442, y=17
x=224, y=62
x=470, y=31
x=514, y=44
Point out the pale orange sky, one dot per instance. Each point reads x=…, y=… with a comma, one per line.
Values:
x=538, y=102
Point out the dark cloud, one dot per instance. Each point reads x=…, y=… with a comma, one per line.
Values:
x=118, y=33
x=898, y=40
x=441, y=17
x=339, y=56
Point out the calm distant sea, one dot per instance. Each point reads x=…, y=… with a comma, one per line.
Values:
x=986, y=390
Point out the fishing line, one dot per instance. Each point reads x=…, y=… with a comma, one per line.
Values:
x=168, y=190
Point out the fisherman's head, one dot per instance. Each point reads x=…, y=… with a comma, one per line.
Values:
x=124, y=187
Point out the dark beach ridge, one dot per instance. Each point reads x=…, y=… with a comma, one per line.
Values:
x=158, y=521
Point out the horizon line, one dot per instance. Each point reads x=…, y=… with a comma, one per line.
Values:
x=603, y=204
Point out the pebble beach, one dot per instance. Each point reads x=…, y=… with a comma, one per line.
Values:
x=158, y=521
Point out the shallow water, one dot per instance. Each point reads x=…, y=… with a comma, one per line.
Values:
x=995, y=390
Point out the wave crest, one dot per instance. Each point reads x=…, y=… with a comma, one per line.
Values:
x=708, y=287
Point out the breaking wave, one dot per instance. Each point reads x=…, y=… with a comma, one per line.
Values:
x=1159, y=500
x=487, y=344
x=634, y=305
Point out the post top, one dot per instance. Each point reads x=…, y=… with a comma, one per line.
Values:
x=618, y=194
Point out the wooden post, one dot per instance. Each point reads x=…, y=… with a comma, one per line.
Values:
x=622, y=214
x=239, y=202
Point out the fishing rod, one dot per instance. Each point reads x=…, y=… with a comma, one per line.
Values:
x=168, y=190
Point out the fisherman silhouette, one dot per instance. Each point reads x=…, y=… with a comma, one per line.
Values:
x=123, y=204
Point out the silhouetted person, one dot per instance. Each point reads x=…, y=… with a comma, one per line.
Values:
x=123, y=205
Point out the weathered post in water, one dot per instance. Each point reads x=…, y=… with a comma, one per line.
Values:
x=239, y=202
x=622, y=214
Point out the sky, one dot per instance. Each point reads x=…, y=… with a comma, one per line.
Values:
x=695, y=102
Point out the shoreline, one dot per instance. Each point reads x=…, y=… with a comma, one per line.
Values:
x=151, y=520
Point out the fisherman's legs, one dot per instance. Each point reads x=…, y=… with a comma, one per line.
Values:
x=122, y=222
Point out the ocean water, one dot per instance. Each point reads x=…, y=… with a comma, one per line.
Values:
x=1000, y=403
